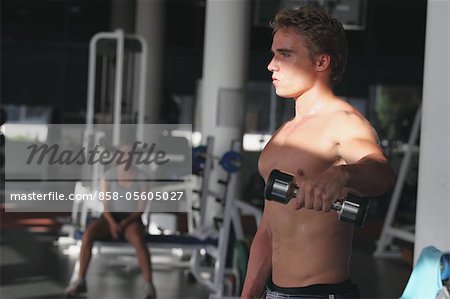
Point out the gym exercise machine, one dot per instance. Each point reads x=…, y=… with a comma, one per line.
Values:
x=123, y=57
x=222, y=282
x=390, y=232
x=117, y=71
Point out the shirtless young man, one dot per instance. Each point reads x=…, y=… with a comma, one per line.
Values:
x=301, y=248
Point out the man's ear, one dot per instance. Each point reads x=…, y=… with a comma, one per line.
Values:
x=323, y=62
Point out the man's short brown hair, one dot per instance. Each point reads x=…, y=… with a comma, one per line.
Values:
x=322, y=34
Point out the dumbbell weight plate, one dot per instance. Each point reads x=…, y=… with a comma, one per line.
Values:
x=279, y=187
x=354, y=210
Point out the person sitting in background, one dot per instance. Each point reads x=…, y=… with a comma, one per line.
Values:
x=120, y=218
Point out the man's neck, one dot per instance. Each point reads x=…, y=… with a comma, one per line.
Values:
x=314, y=101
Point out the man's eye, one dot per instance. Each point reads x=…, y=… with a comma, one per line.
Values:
x=284, y=54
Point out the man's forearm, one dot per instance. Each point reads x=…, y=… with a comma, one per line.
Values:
x=368, y=177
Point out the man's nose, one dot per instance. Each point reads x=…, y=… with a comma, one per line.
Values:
x=271, y=66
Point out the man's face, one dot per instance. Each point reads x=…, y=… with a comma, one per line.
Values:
x=293, y=71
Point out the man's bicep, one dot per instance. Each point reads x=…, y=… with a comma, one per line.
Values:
x=358, y=139
x=357, y=149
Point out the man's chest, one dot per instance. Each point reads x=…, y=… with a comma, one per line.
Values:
x=301, y=150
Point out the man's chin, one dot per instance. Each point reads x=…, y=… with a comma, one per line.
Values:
x=283, y=95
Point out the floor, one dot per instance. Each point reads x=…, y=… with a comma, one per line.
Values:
x=34, y=266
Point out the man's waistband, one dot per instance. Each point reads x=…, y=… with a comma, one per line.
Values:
x=338, y=290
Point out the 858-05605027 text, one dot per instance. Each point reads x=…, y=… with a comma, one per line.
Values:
x=149, y=195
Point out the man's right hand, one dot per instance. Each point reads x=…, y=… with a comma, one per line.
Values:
x=321, y=191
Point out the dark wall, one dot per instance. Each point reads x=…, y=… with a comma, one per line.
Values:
x=44, y=48
x=389, y=51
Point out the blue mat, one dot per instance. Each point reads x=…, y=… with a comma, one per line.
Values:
x=425, y=281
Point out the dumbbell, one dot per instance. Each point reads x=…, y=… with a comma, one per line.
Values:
x=281, y=187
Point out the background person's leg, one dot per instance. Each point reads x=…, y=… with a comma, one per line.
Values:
x=134, y=233
x=96, y=230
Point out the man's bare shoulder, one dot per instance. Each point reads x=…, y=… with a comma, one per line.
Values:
x=350, y=123
x=342, y=113
x=345, y=121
